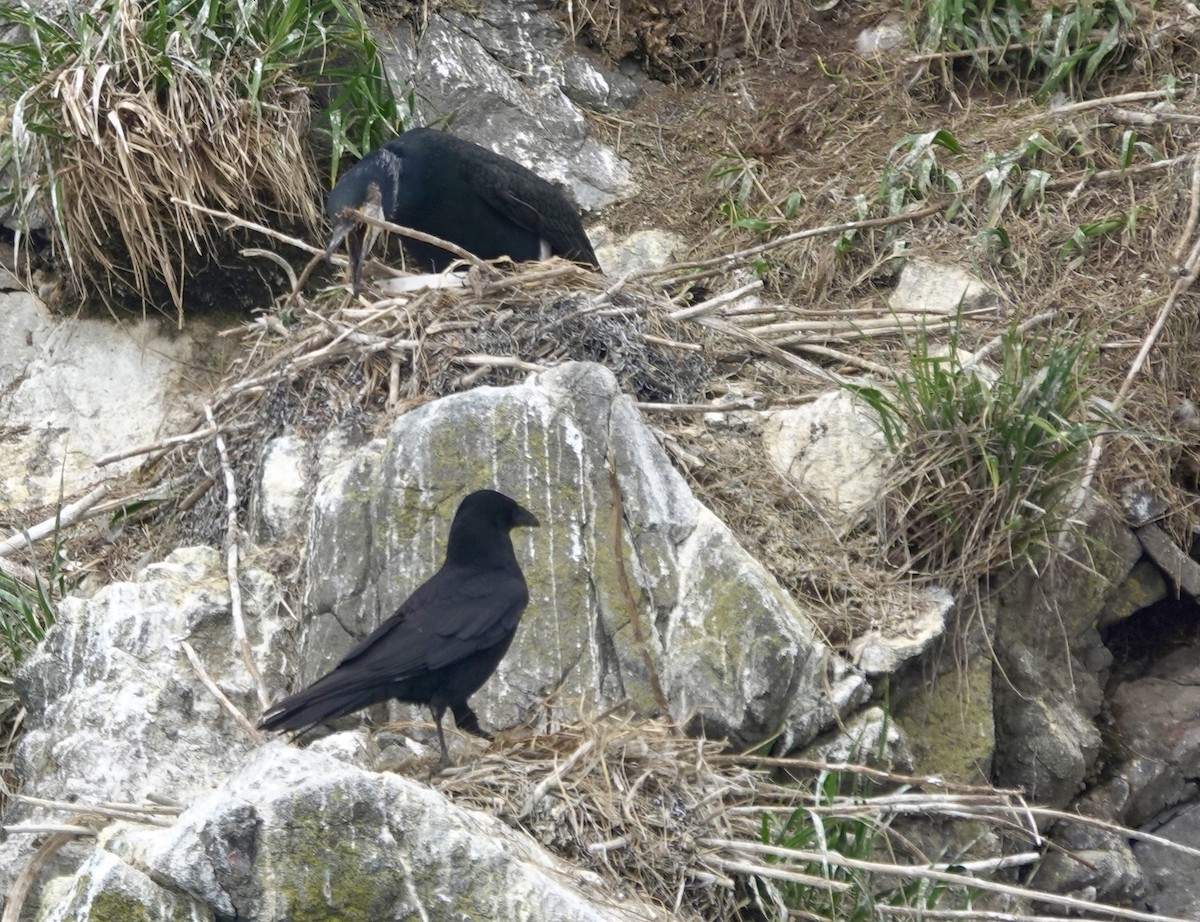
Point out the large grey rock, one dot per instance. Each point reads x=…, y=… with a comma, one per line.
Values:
x=299, y=835
x=74, y=389
x=498, y=78
x=115, y=711
x=637, y=591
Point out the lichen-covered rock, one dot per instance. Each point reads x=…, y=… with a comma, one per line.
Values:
x=1049, y=661
x=300, y=836
x=948, y=722
x=926, y=287
x=295, y=835
x=637, y=591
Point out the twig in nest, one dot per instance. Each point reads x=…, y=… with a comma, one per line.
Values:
x=254, y=733
x=966, y=881
x=771, y=351
x=696, y=407
x=231, y=560
x=711, y=305
x=555, y=777
x=275, y=258
x=68, y=515
x=446, y=245
x=131, y=812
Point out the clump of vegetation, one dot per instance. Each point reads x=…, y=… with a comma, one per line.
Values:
x=988, y=461
x=1059, y=47
x=124, y=114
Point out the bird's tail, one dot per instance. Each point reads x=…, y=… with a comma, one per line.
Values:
x=326, y=699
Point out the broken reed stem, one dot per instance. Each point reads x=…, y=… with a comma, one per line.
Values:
x=254, y=733
x=730, y=259
x=555, y=777
x=1079, y=180
x=446, y=245
x=1118, y=100
x=235, y=221
x=1189, y=225
x=131, y=812
x=711, y=305
x=15, y=902
x=231, y=563
x=67, y=515
x=966, y=881
x=173, y=441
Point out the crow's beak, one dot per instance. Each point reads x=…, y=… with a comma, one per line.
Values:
x=526, y=518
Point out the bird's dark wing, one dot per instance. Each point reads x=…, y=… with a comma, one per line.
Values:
x=530, y=201
x=457, y=612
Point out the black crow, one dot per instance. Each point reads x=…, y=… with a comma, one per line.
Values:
x=439, y=184
x=444, y=642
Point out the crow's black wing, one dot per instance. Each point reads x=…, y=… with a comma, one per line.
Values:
x=457, y=612
x=524, y=197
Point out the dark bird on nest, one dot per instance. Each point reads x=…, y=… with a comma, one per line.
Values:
x=433, y=182
x=444, y=642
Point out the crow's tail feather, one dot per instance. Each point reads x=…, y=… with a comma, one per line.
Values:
x=322, y=701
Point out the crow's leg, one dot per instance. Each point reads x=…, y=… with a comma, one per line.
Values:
x=439, y=711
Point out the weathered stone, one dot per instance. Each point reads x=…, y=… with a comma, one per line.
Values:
x=929, y=288
x=597, y=88
x=1049, y=661
x=888, y=34
x=1157, y=720
x=1182, y=570
x=647, y=249
x=74, y=389
x=116, y=712
x=498, y=75
x=949, y=722
x=834, y=451
x=909, y=627
x=870, y=737
x=279, y=502
x=637, y=591
x=107, y=890
x=1109, y=875
x=1172, y=877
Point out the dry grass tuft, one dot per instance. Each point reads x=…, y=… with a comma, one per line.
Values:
x=197, y=139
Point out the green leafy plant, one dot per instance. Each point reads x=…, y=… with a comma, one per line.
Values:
x=125, y=112
x=804, y=842
x=28, y=605
x=1058, y=47
x=986, y=459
